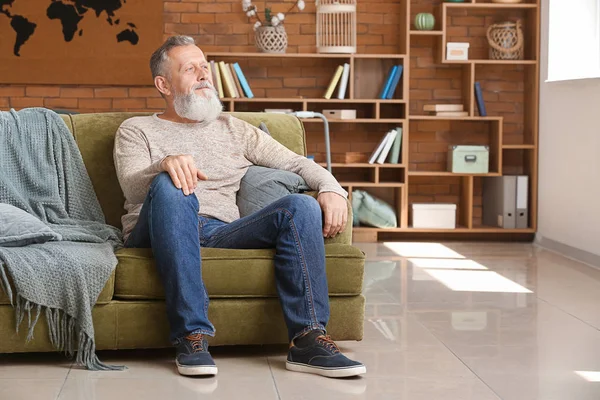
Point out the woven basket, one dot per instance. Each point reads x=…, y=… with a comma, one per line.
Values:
x=271, y=39
x=506, y=41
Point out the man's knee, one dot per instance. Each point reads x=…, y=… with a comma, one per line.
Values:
x=302, y=204
x=162, y=186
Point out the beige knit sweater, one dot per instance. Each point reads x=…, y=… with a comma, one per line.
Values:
x=223, y=150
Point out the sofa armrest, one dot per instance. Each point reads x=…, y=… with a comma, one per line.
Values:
x=345, y=236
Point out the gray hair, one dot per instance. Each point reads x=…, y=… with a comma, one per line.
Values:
x=161, y=55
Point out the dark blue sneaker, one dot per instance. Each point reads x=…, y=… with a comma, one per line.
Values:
x=316, y=353
x=193, y=357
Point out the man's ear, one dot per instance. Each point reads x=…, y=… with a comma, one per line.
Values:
x=162, y=85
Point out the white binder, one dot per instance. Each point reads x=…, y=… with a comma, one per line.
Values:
x=522, y=213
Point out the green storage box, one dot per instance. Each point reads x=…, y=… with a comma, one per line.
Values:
x=469, y=159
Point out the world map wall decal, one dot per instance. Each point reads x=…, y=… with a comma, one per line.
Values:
x=79, y=41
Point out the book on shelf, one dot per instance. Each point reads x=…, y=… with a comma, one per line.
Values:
x=243, y=81
x=216, y=76
x=379, y=148
x=394, y=156
x=334, y=81
x=389, y=141
x=394, y=83
x=238, y=87
x=229, y=87
x=479, y=99
x=443, y=107
x=343, y=85
x=452, y=114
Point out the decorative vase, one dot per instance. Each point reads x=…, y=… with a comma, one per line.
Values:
x=271, y=39
x=424, y=21
x=506, y=41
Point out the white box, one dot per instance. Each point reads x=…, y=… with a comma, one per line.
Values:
x=340, y=114
x=457, y=51
x=434, y=216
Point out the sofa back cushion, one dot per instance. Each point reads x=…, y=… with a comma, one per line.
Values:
x=95, y=133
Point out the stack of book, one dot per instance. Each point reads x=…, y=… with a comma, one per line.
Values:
x=229, y=80
x=389, y=147
x=446, y=110
x=391, y=82
x=340, y=79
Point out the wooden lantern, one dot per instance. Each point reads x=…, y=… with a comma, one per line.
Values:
x=336, y=26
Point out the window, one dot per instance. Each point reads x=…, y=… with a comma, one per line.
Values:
x=573, y=39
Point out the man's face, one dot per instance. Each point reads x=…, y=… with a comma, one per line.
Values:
x=190, y=85
x=188, y=67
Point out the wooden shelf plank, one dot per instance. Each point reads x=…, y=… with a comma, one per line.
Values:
x=427, y=33
x=433, y=117
x=302, y=100
x=371, y=184
x=302, y=55
x=489, y=5
x=491, y=62
x=445, y=173
x=518, y=146
x=457, y=230
x=362, y=165
x=357, y=121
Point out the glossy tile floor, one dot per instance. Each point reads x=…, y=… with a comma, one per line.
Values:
x=443, y=321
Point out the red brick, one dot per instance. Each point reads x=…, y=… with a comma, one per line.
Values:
x=216, y=8
x=110, y=92
x=180, y=7
x=222, y=29
x=231, y=39
x=70, y=92
x=24, y=102
x=197, y=18
x=42, y=91
x=129, y=103
x=96, y=104
x=299, y=82
x=171, y=17
x=12, y=91
x=468, y=21
x=144, y=92
x=181, y=29
x=4, y=102
x=155, y=103
x=61, y=103
x=239, y=18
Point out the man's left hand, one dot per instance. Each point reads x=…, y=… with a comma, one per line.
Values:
x=335, y=213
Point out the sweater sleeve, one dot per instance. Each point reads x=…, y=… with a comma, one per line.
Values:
x=133, y=163
x=261, y=149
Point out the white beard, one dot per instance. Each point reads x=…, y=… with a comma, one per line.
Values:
x=204, y=107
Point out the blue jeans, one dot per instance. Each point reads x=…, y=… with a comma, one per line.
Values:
x=169, y=223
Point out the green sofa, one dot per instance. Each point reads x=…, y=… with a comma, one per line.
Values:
x=244, y=308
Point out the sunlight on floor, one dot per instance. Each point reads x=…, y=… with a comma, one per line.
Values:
x=590, y=376
x=444, y=263
x=476, y=281
x=422, y=250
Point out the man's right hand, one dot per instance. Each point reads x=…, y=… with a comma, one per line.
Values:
x=183, y=172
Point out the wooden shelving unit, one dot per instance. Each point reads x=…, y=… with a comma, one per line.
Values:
x=511, y=135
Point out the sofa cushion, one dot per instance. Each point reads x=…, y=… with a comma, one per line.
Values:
x=262, y=186
x=231, y=273
x=105, y=296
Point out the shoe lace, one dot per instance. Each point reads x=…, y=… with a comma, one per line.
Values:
x=196, y=341
x=328, y=343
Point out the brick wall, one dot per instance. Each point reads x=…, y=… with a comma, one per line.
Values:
x=221, y=25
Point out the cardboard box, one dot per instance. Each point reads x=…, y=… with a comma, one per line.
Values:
x=457, y=51
x=434, y=216
x=340, y=114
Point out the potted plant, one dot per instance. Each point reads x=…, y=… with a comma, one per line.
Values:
x=270, y=35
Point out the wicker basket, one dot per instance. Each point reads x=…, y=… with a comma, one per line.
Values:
x=506, y=41
x=271, y=39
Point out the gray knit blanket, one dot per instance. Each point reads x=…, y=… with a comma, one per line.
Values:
x=42, y=173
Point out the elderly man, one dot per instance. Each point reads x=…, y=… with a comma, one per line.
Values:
x=180, y=171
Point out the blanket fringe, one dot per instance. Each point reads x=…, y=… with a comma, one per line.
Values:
x=64, y=334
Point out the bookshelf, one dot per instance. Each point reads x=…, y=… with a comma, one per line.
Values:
x=510, y=89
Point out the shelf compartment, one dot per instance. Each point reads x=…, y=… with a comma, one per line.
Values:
x=434, y=83
x=392, y=175
x=431, y=138
x=370, y=74
x=391, y=110
x=469, y=23
x=443, y=189
x=393, y=195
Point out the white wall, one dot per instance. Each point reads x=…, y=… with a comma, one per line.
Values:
x=569, y=151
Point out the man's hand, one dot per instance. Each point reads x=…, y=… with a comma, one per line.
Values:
x=335, y=212
x=183, y=172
